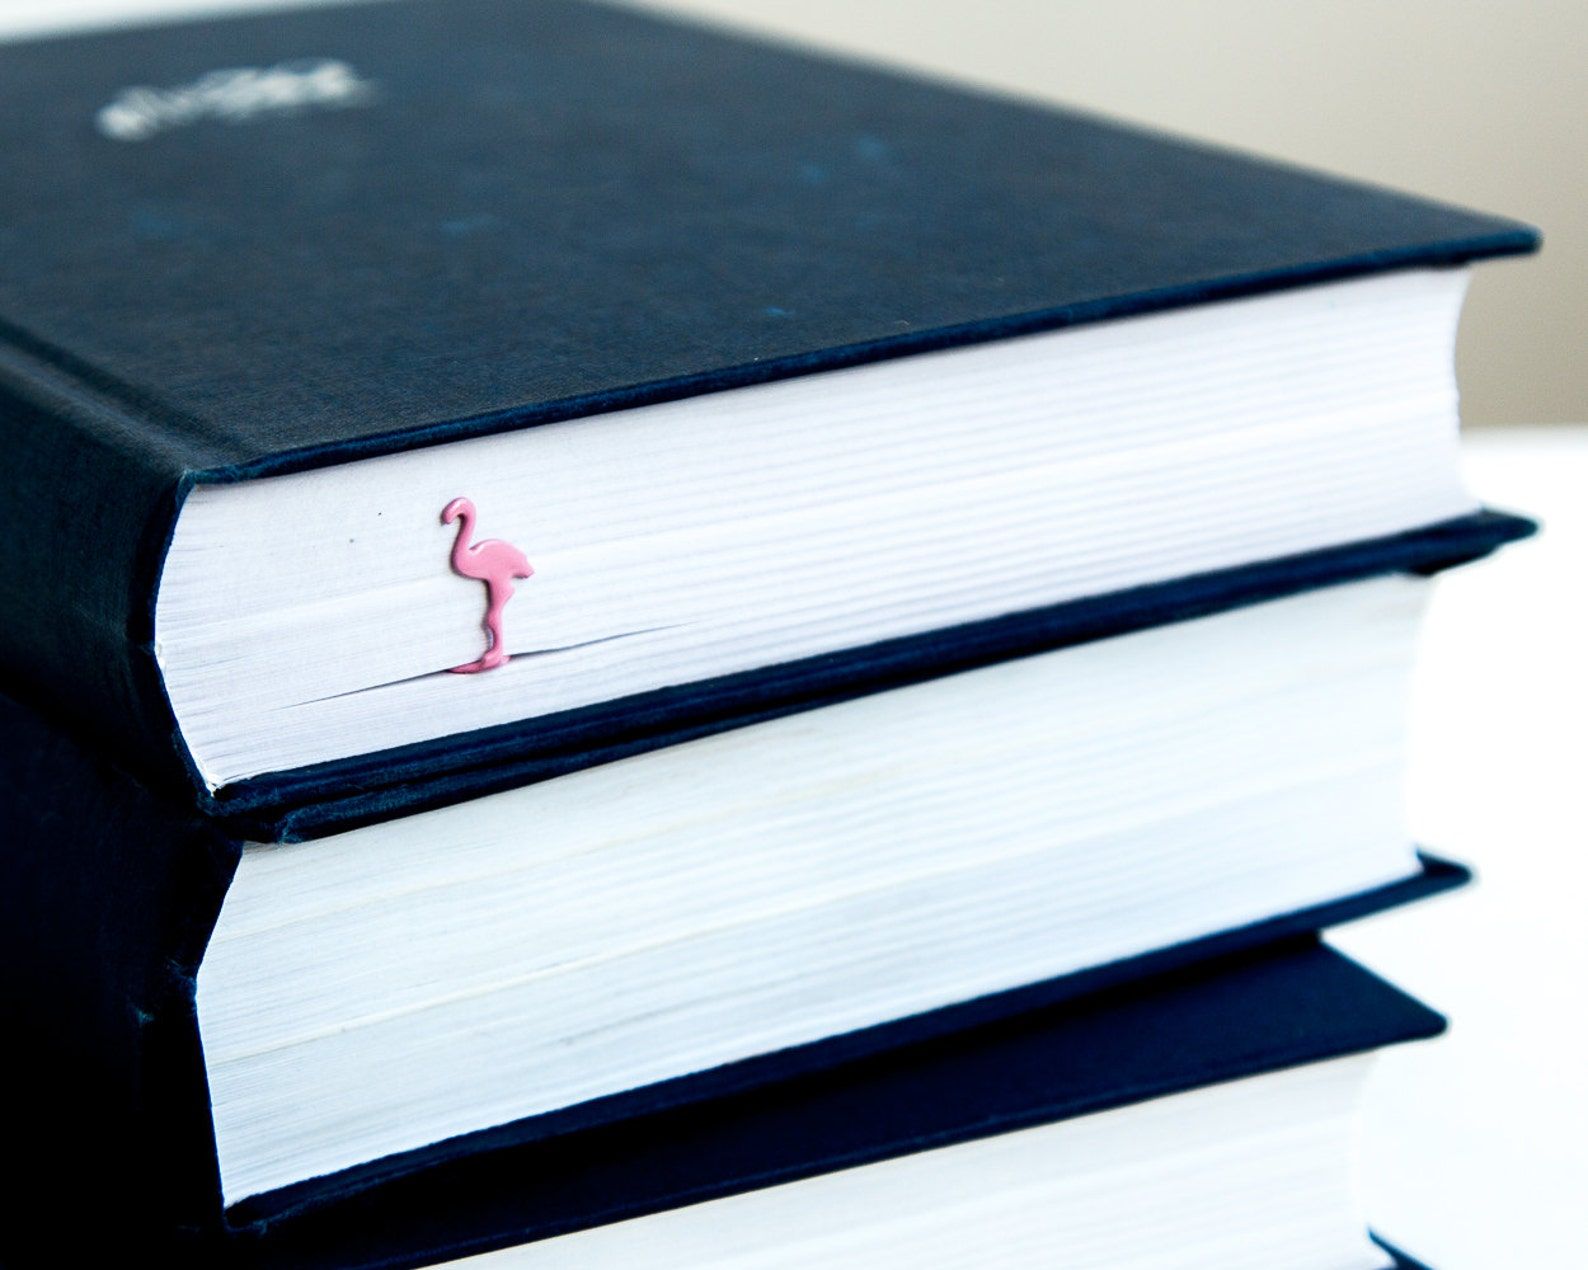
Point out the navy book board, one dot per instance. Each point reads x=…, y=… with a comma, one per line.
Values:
x=317, y=299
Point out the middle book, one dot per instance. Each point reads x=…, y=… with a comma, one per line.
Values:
x=780, y=895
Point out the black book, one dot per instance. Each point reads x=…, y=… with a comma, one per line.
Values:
x=717, y=376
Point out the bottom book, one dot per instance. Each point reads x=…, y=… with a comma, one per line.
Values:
x=1203, y=1118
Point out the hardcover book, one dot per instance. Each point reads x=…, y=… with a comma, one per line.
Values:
x=649, y=376
x=1102, y=1128
x=275, y=1022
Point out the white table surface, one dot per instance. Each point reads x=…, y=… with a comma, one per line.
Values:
x=1477, y=1144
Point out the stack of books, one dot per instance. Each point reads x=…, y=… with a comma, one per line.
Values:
x=628, y=647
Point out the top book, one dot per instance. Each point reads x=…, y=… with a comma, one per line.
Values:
x=702, y=368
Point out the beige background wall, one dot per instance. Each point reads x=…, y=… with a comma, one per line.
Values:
x=1483, y=102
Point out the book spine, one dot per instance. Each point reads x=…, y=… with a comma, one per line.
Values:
x=89, y=490
x=108, y=896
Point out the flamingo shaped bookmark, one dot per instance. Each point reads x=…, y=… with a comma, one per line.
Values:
x=497, y=564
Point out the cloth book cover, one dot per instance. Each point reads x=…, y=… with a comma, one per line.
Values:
x=110, y=899
x=255, y=268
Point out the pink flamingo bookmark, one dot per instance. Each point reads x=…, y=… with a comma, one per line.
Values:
x=497, y=564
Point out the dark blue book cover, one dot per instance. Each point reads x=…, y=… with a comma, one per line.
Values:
x=186, y=301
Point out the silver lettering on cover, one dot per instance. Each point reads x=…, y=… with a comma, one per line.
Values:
x=235, y=96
